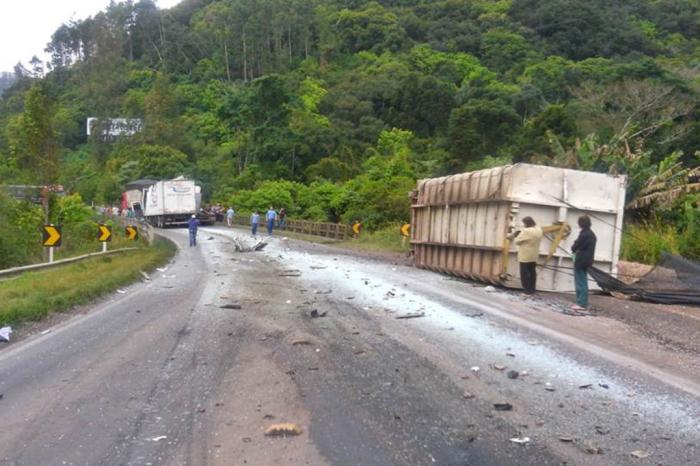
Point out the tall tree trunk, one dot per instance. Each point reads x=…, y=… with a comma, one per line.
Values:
x=228, y=68
x=289, y=41
x=245, y=60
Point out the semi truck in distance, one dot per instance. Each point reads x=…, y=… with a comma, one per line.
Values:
x=165, y=202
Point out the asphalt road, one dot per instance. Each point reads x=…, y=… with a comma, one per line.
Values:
x=163, y=375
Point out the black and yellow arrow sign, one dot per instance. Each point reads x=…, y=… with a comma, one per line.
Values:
x=356, y=227
x=132, y=232
x=406, y=230
x=104, y=233
x=51, y=236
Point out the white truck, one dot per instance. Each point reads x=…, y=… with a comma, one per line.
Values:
x=171, y=202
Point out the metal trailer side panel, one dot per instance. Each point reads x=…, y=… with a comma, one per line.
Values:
x=461, y=221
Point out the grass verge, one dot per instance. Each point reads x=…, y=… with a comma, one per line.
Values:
x=387, y=239
x=34, y=295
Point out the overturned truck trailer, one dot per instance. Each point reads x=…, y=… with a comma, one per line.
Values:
x=460, y=223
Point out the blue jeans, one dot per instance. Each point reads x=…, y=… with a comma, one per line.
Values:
x=254, y=228
x=193, y=237
x=581, y=283
x=270, y=226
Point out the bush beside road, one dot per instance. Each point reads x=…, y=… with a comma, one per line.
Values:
x=34, y=295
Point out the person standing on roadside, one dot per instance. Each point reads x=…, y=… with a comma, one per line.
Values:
x=254, y=221
x=270, y=217
x=584, y=254
x=229, y=216
x=283, y=218
x=528, y=240
x=192, y=226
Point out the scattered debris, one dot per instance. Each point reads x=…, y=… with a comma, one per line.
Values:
x=478, y=314
x=300, y=341
x=604, y=385
x=601, y=430
x=475, y=369
x=490, y=289
x=498, y=367
x=317, y=267
x=289, y=301
x=510, y=355
x=290, y=273
x=145, y=275
x=412, y=315
x=120, y=291
x=159, y=438
x=520, y=440
x=210, y=238
x=231, y=306
x=246, y=439
x=641, y=454
x=502, y=406
x=591, y=449
x=47, y=331
x=566, y=439
x=467, y=395
x=315, y=314
x=283, y=430
x=585, y=386
x=548, y=387
x=161, y=269
x=533, y=342
x=5, y=333
x=513, y=374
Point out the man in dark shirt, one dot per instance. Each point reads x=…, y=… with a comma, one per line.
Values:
x=192, y=225
x=584, y=253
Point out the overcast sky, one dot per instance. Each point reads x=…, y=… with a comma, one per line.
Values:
x=26, y=25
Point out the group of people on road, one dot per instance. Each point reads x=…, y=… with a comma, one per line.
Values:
x=528, y=238
x=272, y=219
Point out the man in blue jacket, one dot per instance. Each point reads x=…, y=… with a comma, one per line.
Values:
x=192, y=225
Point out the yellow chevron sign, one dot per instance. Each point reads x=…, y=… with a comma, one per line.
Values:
x=132, y=232
x=104, y=233
x=406, y=230
x=51, y=236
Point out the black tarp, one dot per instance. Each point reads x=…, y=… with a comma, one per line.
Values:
x=675, y=280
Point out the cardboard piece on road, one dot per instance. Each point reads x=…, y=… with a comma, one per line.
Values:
x=132, y=232
x=51, y=236
x=104, y=233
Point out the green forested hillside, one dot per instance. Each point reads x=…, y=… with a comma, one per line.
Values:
x=334, y=108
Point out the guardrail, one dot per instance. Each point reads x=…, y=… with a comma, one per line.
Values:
x=337, y=231
x=68, y=260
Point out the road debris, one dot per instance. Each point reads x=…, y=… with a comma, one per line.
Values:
x=520, y=440
x=5, y=333
x=475, y=369
x=300, y=341
x=490, y=289
x=231, y=306
x=283, y=430
x=467, y=395
x=591, y=449
x=585, y=386
x=412, y=315
x=640, y=454
x=473, y=316
x=566, y=439
x=161, y=269
x=502, y=406
x=513, y=374
x=604, y=385
x=145, y=276
x=498, y=367
x=315, y=314
x=159, y=438
x=120, y=291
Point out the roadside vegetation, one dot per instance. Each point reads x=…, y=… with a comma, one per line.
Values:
x=32, y=296
x=333, y=109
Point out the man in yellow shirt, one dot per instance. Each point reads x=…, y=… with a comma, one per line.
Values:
x=528, y=240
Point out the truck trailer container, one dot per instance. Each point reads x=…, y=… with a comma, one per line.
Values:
x=460, y=223
x=170, y=202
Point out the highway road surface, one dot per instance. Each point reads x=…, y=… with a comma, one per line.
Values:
x=192, y=366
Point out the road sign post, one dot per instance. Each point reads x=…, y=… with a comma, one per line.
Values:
x=51, y=237
x=104, y=235
x=132, y=232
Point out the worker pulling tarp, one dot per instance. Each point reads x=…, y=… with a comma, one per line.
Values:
x=675, y=280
